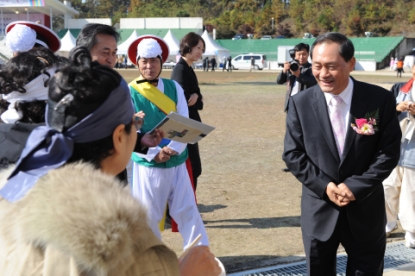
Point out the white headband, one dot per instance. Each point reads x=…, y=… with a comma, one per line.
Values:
x=42, y=43
x=21, y=38
x=35, y=91
x=148, y=48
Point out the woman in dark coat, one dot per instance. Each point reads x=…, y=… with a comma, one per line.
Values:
x=192, y=47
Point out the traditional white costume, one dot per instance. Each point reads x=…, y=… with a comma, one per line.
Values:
x=156, y=184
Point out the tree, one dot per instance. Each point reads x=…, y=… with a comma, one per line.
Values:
x=351, y=17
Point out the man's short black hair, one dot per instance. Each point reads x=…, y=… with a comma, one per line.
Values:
x=346, y=46
x=302, y=46
x=87, y=36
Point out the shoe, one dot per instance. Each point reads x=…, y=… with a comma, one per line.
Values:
x=286, y=170
x=409, y=244
x=390, y=232
x=410, y=240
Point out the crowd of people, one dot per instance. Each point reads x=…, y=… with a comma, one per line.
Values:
x=72, y=202
x=66, y=208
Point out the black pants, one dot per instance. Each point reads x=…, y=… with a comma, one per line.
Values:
x=364, y=258
x=195, y=161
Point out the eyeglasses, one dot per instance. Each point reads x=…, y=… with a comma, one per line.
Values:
x=137, y=122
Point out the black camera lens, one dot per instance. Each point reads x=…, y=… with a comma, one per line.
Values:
x=294, y=66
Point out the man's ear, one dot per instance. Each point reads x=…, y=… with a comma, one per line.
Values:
x=352, y=64
x=118, y=138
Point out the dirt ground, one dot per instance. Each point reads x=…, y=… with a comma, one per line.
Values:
x=250, y=207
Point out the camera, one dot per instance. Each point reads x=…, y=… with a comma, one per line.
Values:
x=293, y=63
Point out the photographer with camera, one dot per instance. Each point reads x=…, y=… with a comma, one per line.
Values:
x=297, y=72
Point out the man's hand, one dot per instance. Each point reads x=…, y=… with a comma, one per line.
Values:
x=286, y=67
x=161, y=157
x=193, y=99
x=406, y=106
x=199, y=261
x=152, y=140
x=169, y=151
x=164, y=155
x=336, y=195
x=411, y=108
x=349, y=195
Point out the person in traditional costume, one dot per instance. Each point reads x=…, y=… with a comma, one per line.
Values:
x=22, y=36
x=24, y=83
x=400, y=185
x=62, y=210
x=161, y=176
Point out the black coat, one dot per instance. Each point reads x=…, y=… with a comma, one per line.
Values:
x=306, y=79
x=186, y=77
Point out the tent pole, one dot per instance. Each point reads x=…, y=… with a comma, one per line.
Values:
x=2, y=22
x=50, y=17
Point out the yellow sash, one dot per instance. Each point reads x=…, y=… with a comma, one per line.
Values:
x=151, y=93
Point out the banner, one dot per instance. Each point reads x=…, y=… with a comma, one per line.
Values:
x=22, y=3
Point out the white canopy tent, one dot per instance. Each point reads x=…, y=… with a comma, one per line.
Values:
x=214, y=49
x=68, y=42
x=174, y=46
x=409, y=61
x=123, y=47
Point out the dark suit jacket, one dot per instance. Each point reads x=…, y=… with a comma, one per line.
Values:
x=306, y=79
x=311, y=154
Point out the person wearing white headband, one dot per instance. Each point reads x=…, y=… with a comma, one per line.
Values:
x=161, y=176
x=22, y=36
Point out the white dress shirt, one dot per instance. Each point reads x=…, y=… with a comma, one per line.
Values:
x=346, y=96
x=296, y=88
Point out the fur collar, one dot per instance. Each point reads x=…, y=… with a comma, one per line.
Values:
x=82, y=212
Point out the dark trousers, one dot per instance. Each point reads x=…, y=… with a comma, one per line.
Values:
x=364, y=258
x=194, y=156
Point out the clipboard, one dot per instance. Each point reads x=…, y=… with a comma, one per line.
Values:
x=182, y=129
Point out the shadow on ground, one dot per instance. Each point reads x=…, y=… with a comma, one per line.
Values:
x=259, y=223
x=210, y=208
x=247, y=262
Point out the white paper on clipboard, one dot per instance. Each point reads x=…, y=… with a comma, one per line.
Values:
x=181, y=129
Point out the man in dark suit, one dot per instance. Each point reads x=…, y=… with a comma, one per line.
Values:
x=300, y=79
x=341, y=167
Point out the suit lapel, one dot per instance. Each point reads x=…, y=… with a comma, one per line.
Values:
x=320, y=110
x=357, y=110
